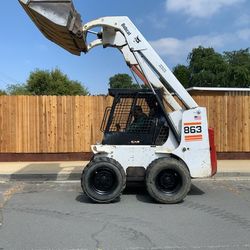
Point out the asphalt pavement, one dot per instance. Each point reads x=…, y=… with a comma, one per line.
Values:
x=42, y=207
x=57, y=215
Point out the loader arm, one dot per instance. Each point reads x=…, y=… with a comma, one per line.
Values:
x=59, y=22
x=121, y=33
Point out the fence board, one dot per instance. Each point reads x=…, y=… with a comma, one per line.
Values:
x=64, y=124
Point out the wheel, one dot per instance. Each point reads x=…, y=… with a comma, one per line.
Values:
x=168, y=180
x=103, y=180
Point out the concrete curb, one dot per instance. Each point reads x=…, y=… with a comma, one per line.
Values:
x=77, y=176
x=1, y=201
x=71, y=171
x=233, y=174
x=41, y=177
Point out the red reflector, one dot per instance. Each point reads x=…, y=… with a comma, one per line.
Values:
x=213, y=155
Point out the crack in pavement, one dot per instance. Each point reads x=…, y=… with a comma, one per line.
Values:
x=130, y=233
x=10, y=192
x=94, y=236
x=6, y=196
x=136, y=235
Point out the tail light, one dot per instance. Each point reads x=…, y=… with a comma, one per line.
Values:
x=213, y=155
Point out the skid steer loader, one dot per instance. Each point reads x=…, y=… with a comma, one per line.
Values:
x=158, y=133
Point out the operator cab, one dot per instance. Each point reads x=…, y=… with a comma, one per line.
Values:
x=135, y=118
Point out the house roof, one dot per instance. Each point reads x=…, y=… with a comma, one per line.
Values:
x=219, y=89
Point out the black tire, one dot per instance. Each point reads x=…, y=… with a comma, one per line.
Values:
x=103, y=180
x=168, y=180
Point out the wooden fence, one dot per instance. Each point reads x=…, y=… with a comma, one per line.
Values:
x=229, y=115
x=49, y=124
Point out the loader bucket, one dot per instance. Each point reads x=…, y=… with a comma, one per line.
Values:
x=59, y=22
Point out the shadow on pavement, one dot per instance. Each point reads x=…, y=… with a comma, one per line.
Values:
x=31, y=171
x=135, y=188
x=82, y=198
x=45, y=172
x=139, y=190
x=195, y=191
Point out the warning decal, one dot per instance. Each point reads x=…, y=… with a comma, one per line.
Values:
x=193, y=131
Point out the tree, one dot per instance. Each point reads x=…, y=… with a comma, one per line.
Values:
x=44, y=82
x=207, y=68
x=2, y=92
x=122, y=81
x=17, y=89
x=239, y=67
x=239, y=58
x=183, y=74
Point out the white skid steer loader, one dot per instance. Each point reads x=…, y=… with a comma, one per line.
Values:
x=148, y=134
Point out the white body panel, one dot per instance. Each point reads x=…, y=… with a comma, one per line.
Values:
x=193, y=150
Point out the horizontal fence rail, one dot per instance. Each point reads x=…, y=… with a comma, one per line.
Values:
x=65, y=124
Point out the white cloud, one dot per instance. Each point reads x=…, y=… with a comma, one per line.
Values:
x=243, y=20
x=244, y=34
x=199, y=8
x=177, y=50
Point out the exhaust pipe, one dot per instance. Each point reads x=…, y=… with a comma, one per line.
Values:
x=59, y=22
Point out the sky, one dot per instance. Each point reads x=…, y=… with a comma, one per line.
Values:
x=173, y=27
